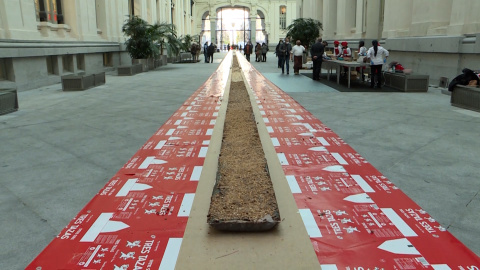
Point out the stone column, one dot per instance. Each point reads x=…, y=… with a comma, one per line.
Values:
x=330, y=19
x=345, y=18
x=17, y=20
x=464, y=20
x=213, y=28
x=431, y=19
x=253, y=25
x=317, y=10
x=308, y=9
x=372, y=30
x=398, y=18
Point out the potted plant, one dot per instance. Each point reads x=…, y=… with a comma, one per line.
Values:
x=140, y=43
x=306, y=30
x=165, y=38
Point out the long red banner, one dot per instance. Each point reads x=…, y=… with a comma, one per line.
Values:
x=356, y=218
x=137, y=220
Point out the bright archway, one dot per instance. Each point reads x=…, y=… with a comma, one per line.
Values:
x=233, y=27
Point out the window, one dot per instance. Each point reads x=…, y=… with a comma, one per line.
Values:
x=107, y=59
x=49, y=11
x=3, y=70
x=283, y=17
x=80, y=61
x=52, y=65
x=67, y=61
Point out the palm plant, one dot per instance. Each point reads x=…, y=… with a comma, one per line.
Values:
x=139, y=41
x=186, y=42
x=304, y=29
x=165, y=37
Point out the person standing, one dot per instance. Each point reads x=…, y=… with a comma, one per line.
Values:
x=337, y=49
x=205, y=51
x=264, y=52
x=277, y=52
x=258, y=52
x=317, y=51
x=378, y=56
x=297, y=55
x=193, y=51
x=248, y=50
x=211, y=51
x=282, y=52
x=346, y=52
x=362, y=52
x=288, y=54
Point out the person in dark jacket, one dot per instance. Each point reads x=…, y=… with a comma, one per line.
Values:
x=317, y=51
x=248, y=50
x=277, y=53
x=205, y=51
x=463, y=79
x=264, y=52
x=288, y=50
x=282, y=53
x=211, y=51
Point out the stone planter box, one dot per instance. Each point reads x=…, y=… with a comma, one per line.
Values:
x=186, y=57
x=144, y=63
x=466, y=97
x=164, y=60
x=129, y=70
x=78, y=82
x=99, y=78
x=151, y=63
x=8, y=101
x=407, y=82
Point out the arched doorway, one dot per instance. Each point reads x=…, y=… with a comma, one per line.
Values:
x=232, y=26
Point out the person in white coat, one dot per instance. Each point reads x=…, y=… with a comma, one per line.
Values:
x=296, y=56
x=378, y=56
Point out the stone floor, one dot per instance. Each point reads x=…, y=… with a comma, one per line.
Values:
x=60, y=148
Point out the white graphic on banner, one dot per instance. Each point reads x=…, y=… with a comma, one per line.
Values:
x=446, y=267
x=170, y=257
x=351, y=229
x=275, y=142
x=362, y=183
x=103, y=224
x=318, y=149
x=150, y=161
x=129, y=255
x=401, y=225
x=323, y=141
x=359, y=198
x=307, y=126
x=339, y=158
x=131, y=185
x=133, y=244
x=334, y=168
x=151, y=211
x=123, y=267
x=310, y=223
x=186, y=205
x=399, y=246
x=328, y=267
x=293, y=184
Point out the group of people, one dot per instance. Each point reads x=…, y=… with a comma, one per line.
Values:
x=260, y=51
x=375, y=55
x=285, y=52
x=208, y=51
